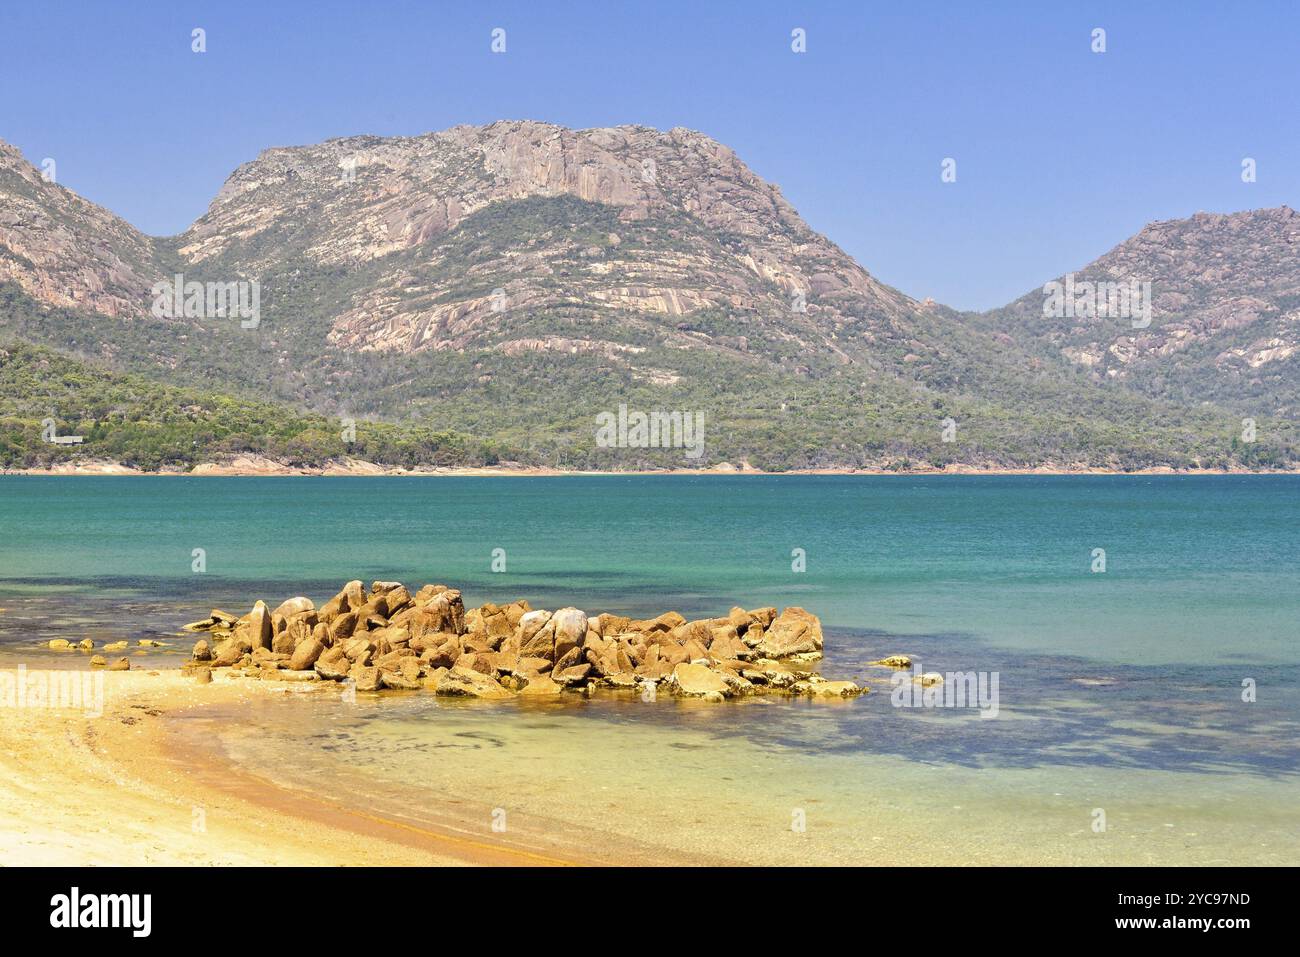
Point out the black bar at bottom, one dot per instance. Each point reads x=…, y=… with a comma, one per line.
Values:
x=342, y=906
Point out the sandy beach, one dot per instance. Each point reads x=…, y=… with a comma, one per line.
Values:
x=145, y=783
x=257, y=465
x=114, y=790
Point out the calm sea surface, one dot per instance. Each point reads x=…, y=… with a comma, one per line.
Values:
x=1119, y=691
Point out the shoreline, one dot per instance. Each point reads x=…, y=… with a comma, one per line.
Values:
x=123, y=789
x=148, y=782
x=359, y=469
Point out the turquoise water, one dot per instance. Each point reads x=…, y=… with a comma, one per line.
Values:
x=1200, y=570
x=1119, y=689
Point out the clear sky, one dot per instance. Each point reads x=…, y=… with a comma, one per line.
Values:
x=1060, y=152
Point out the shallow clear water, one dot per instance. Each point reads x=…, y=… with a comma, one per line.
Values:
x=727, y=783
x=1120, y=690
x=1199, y=569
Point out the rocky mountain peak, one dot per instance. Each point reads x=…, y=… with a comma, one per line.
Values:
x=1224, y=318
x=666, y=223
x=406, y=276
x=437, y=179
x=63, y=250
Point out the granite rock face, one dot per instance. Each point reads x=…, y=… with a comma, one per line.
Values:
x=663, y=199
x=432, y=270
x=1224, y=322
x=63, y=250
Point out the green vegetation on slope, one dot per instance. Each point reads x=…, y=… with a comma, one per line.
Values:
x=840, y=422
x=148, y=426
x=280, y=389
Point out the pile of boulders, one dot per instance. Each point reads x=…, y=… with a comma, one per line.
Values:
x=386, y=637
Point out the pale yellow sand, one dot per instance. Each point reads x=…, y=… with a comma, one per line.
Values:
x=83, y=790
x=148, y=782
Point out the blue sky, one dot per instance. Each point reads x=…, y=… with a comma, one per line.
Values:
x=1061, y=152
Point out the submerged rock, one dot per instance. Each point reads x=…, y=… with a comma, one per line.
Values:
x=540, y=686
x=895, y=661
x=828, y=689
x=285, y=675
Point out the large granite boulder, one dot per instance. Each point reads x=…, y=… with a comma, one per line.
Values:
x=293, y=606
x=697, y=681
x=305, y=654
x=793, y=632
x=255, y=628
x=444, y=611
x=570, y=630
x=468, y=683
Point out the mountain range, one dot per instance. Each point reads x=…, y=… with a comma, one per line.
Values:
x=482, y=294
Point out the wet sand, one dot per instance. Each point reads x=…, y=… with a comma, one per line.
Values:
x=247, y=771
x=115, y=790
